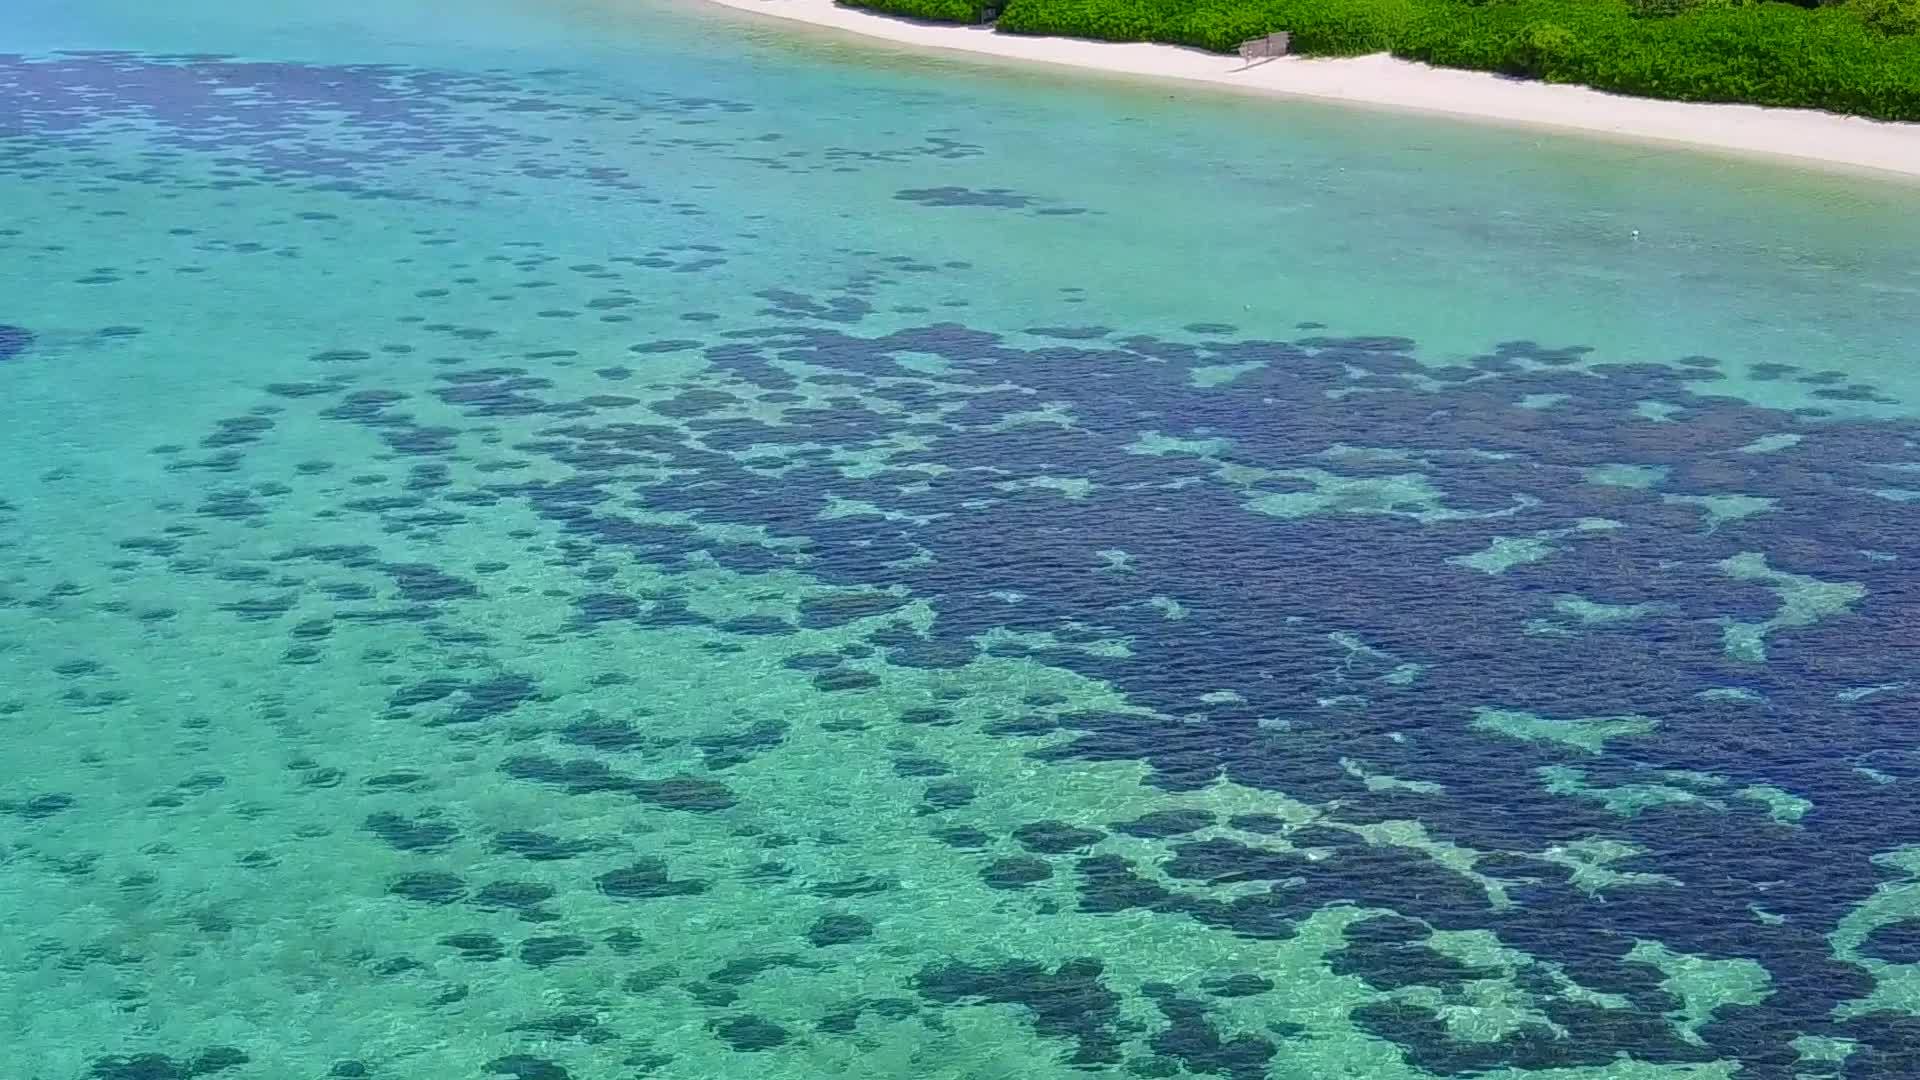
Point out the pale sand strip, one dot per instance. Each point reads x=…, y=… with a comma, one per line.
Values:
x=1844, y=142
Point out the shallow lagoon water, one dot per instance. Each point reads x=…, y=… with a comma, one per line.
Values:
x=600, y=540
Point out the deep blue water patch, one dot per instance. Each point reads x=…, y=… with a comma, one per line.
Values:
x=14, y=341
x=1375, y=640
x=1297, y=562
x=1895, y=942
x=337, y=127
x=988, y=198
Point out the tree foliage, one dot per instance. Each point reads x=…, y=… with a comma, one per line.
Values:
x=1859, y=56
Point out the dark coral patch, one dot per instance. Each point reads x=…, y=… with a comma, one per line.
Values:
x=648, y=880
x=839, y=930
x=1055, y=837
x=1110, y=884
x=522, y=896
x=1164, y=823
x=757, y=625
x=1395, y=965
x=837, y=609
x=545, y=951
x=1015, y=872
x=411, y=834
x=209, y=1062
x=1887, y=1045
x=527, y=1067
x=649, y=979
x=1258, y=823
x=1070, y=333
x=139, y=1067
x=920, y=765
x=1894, y=942
x=748, y=1034
x=493, y=697
x=217, y=1059
x=745, y=969
x=577, y=776
x=583, y=1026
x=1241, y=984
x=598, y=734
x=1000, y=198
x=542, y=847
x=429, y=887
x=14, y=341
x=695, y=794
x=946, y=794
x=475, y=945
x=1068, y=1002
x=727, y=749
x=963, y=837
x=606, y=607
x=846, y=1020
x=845, y=679
x=1191, y=1037
x=1222, y=861
x=664, y=346
x=38, y=806
x=398, y=780
x=586, y=777
x=861, y=885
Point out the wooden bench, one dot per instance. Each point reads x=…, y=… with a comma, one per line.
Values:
x=1266, y=48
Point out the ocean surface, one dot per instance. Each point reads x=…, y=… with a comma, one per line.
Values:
x=562, y=539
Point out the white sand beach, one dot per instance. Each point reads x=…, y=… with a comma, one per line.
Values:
x=1840, y=142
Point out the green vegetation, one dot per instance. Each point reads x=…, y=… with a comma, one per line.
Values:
x=1893, y=17
x=954, y=11
x=1319, y=27
x=1854, y=56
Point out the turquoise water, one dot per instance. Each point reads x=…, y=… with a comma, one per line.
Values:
x=605, y=540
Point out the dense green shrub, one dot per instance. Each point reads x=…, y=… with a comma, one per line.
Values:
x=1104, y=20
x=1765, y=54
x=1662, y=9
x=1889, y=16
x=1319, y=27
x=953, y=11
x=1858, y=56
x=1540, y=49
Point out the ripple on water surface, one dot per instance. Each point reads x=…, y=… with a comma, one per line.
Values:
x=488, y=649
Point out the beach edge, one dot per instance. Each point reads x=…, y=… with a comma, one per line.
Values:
x=1826, y=141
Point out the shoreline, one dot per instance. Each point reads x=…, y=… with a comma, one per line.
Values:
x=1795, y=136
